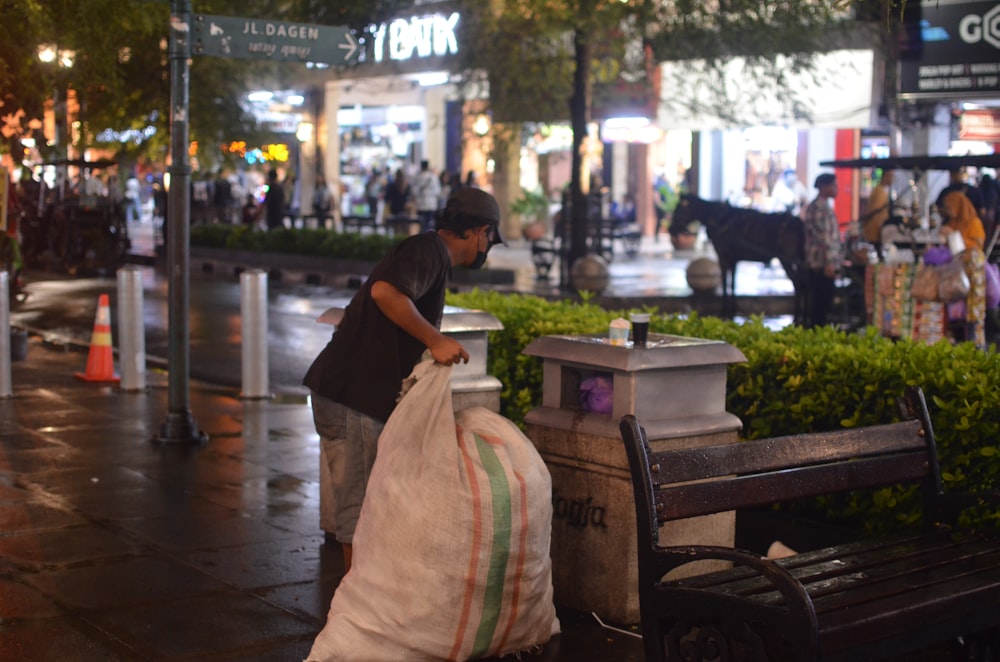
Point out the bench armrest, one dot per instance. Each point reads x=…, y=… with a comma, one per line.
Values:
x=799, y=603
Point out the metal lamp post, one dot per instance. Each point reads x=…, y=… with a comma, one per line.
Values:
x=179, y=426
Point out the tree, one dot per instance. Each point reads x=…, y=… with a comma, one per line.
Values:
x=538, y=57
x=120, y=74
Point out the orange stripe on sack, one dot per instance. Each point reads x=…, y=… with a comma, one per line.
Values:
x=477, y=541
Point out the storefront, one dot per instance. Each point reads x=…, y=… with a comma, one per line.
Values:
x=765, y=137
x=398, y=106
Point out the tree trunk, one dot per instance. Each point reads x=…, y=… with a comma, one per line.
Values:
x=579, y=107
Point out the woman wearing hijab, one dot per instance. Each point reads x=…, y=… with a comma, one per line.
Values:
x=960, y=216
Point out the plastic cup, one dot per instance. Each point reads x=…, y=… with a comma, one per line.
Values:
x=618, y=331
x=640, y=328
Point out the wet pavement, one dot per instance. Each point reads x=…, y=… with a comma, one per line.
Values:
x=113, y=547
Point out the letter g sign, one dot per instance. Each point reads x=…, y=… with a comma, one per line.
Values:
x=973, y=29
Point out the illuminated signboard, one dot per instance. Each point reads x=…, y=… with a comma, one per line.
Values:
x=417, y=37
x=960, y=52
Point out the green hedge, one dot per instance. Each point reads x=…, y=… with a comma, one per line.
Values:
x=317, y=242
x=796, y=380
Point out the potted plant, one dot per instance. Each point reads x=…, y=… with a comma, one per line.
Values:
x=533, y=208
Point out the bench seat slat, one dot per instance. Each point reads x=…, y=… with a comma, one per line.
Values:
x=962, y=605
x=826, y=554
x=693, y=499
x=823, y=570
x=683, y=465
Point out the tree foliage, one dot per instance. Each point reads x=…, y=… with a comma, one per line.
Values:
x=121, y=72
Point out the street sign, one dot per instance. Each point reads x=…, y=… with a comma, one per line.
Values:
x=260, y=39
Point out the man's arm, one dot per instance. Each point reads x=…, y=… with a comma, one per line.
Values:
x=400, y=309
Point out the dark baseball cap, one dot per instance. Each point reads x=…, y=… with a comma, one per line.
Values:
x=479, y=207
x=825, y=179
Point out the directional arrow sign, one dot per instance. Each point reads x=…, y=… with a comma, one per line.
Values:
x=259, y=39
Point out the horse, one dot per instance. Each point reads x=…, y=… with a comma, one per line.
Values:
x=747, y=235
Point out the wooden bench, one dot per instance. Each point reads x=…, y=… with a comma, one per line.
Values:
x=865, y=599
x=355, y=223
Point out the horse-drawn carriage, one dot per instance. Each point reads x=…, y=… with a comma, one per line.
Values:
x=77, y=226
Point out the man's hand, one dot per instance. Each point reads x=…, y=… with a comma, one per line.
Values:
x=448, y=351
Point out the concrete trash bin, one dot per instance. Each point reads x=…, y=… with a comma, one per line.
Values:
x=470, y=385
x=676, y=387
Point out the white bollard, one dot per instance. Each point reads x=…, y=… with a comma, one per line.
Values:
x=6, y=384
x=253, y=312
x=131, y=329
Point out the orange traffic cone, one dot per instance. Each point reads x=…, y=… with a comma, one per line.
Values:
x=100, y=361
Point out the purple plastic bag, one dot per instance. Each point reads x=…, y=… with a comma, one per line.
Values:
x=597, y=395
x=992, y=285
x=937, y=255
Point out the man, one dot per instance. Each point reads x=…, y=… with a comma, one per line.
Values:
x=274, y=202
x=664, y=201
x=823, y=249
x=385, y=329
x=427, y=192
x=879, y=211
x=789, y=194
x=133, y=211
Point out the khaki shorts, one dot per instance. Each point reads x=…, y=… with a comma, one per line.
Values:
x=349, y=440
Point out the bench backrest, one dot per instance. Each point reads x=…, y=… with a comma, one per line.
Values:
x=688, y=482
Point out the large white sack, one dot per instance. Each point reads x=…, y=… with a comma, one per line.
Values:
x=451, y=551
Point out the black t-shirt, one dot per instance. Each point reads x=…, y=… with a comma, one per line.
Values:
x=364, y=364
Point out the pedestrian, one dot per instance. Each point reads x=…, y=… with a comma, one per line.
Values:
x=427, y=189
x=223, y=198
x=274, y=202
x=390, y=322
x=989, y=189
x=290, y=191
x=374, y=191
x=879, y=210
x=957, y=181
x=447, y=187
x=132, y=200
x=250, y=213
x=322, y=201
x=789, y=194
x=824, y=254
x=960, y=216
x=398, y=195
x=201, y=199
x=664, y=201
x=472, y=179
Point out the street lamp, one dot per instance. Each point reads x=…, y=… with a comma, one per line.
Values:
x=63, y=59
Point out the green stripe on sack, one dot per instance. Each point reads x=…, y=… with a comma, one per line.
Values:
x=500, y=547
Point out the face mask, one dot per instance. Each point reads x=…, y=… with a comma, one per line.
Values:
x=479, y=261
x=481, y=255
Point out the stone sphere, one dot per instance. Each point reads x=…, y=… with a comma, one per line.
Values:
x=704, y=275
x=590, y=274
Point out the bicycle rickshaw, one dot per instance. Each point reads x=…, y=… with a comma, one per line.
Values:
x=77, y=226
